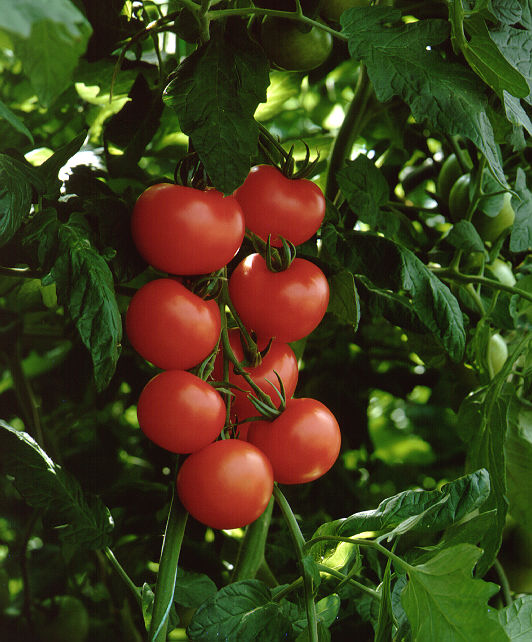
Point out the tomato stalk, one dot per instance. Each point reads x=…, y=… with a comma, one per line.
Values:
x=299, y=545
x=166, y=577
x=455, y=275
x=251, y=551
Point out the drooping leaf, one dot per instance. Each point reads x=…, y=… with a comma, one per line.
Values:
x=344, y=302
x=191, y=589
x=15, y=197
x=49, y=37
x=401, y=60
x=243, y=612
x=391, y=266
x=445, y=604
x=464, y=236
x=84, y=286
x=517, y=619
x=215, y=93
x=489, y=63
x=84, y=521
x=15, y=121
x=516, y=45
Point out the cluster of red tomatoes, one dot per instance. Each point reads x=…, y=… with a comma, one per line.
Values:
x=184, y=231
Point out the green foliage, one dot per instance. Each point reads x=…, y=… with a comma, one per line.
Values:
x=101, y=99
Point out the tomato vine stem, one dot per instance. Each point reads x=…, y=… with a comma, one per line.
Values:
x=299, y=545
x=251, y=551
x=454, y=275
x=166, y=577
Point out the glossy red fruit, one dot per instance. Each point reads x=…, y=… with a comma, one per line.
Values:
x=170, y=326
x=180, y=412
x=285, y=305
x=182, y=230
x=279, y=358
x=280, y=206
x=228, y=484
x=302, y=444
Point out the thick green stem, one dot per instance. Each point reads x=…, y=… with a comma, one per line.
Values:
x=453, y=275
x=120, y=570
x=166, y=577
x=345, y=579
x=349, y=130
x=251, y=552
x=299, y=545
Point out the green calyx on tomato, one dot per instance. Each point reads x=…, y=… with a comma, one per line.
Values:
x=183, y=230
x=302, y=444
x=279, y=206
x=226, y=485
x=290, y=48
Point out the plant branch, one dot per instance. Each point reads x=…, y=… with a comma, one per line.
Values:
x=120, y=570
x=251, y=551
x=454, y=275
x=166, y=577
x=345, y=579
x=299, y=545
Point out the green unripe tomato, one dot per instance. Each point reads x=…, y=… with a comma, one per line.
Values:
x=502, y=272
x=497, y=354
x=65, y=619
x=450, y=172
x=331, y=10
x=491, y=227
x=459, y=197
x=291, y=49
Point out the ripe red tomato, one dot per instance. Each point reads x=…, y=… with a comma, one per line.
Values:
x=280, y=206
x=180, y=412
x=170, y=326
x=182, y=230
x=280, y=357
x=228, y=484
x=286, y=305
x=302, y=443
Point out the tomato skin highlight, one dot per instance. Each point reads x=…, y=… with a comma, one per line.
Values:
x=179, y=412
x=280, y=357
x=302, y=444
x=228, y=484
x=285, y=305
x=183, y=230
x=280, y=206
x=170, y=326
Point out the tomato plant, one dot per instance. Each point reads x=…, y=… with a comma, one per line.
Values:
x=286, y=305
x=180, y=412
x=491, y=227
x=331, y=10
x=302, y=443
x=291, y=47
x=182, y=230
x=279, y=358
x=170, y=326
x=279, y=206
x=497, y=354
x=228, y=484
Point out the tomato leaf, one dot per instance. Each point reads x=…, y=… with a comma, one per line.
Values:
x=344, y=302
x=464, y=236
x=15, y=197
x=521, y=237
x=391, y=266
x=15, y=122
x=384, y=630
x=518, y=449
x=48, y=37
x=191, y=589
x=444, y=603
x=84, y=286
x=83, y=520
x=517, y=619
x=242, y=611
x=401, y=60
x=220, y=123
x=489, y=63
